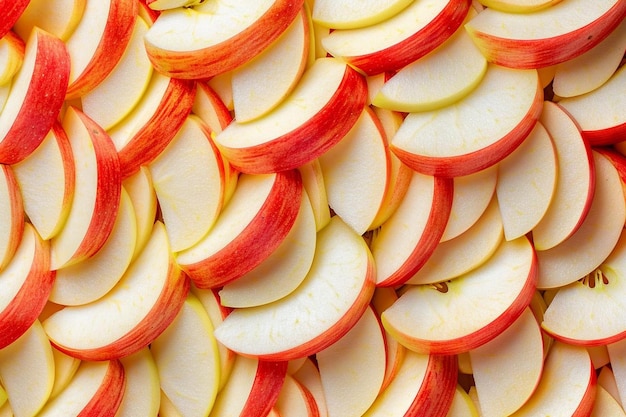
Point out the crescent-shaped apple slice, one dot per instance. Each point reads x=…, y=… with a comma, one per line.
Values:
x=351, y=15
x=142, y=389
x=518, y=6
x=59, y=17
x=11, y=215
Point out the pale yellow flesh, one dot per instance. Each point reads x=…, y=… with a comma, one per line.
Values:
x=350, y=14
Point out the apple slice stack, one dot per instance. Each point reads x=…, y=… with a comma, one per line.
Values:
x=312, y=208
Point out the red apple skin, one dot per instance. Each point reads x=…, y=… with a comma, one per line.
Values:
x=312, y=406
x=528, y=54
x=257, y=241
x=586, y=404
x=436, y=225
x=221, y=112
x=606, y=136
x=161, y=315
x=266, y=387
x=11, y=11
x=108, y=398
x=150, y=15
x=310, y=140
x=17, y=215
x=231, y=53
x=460, y=165
x=42, y=102
x=117, y=33
x=435, y=395
x=29, y=302
x=416, y=46
x=159, y=131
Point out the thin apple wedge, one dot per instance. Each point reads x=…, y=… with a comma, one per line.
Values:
x=309, y=377
x=143, y=198
x=315, y=188
x=11, y=56
x=210, y=108
x=351, y=15
x=292, y=327
x=59, y=17
x=462, y=405
x=295, y=400
x=12, y=215
x=142, y=390
x=518, y=6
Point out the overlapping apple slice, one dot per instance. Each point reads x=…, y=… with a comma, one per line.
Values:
x=518, y=6
x=142, y=390
x=210, y=108
x=606, y=405
x=476, y=132
x=443, y=318
x=382, y=299
x=319, y=312
x=216, y=36
x=130, y=316
x=401, y=39
x=37, y=93
x=59, y=17
x=295, y=400
x=12, y=215
x=547, y=36
x=294, y=134
x=308, y=376
x=462, y=405
x=11, y=56
x=143, y=198
x=351, y=15
x=313, y=183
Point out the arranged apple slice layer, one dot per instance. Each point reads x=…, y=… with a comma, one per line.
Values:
x=11, y=213
x=315, y=188
x=292, y=135
x=143, y=198
x=544, y=37
x=426, y=317
x=351, y=15
x=142, y=388
x=295, y=400
x=200, y=42
x=59, y=17
x=210, y=108
x=308, y=376
x=287, y=329
x=459, y=140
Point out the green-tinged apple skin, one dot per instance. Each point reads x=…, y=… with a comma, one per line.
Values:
x=42, y=101
x=11, y=11
x=228, y=54
x=29, y=301
x=307, y=141
x=16, y=218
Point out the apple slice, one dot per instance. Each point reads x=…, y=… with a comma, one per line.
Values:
x=96, y=194
x=65, y=367
x=567, y=386
x=171, y=4
x=426, y=317
x=518, y=6
x=315, y=188
x=605, y=405
x=143, y=198
x=618, y=366
x=401, y=39
x=357, y=172
x=341, y=365
x=92, y=278
x=282, y=271
x=527, y=180
x=12, y=215
x=130, y=316
x=96, y=389
x=187, y=360
x=210, y=108
x=606, y=380
x=257, y=219
x=37, y=93
x=252, y=389
x=348, y=14
x=503, y=385
x=11, y=56
x=260, y=85
x=269, y=331
x=589, y=246
x=189, y=179
x=11, y=12
x=547, y=36
x=440, y=78
x=292, y=135
x=382, y=299
x=216, y=36
x=98, y=42
x=309, y=377
x=27, y=371
x=59, y=17
x=222, y=85
x=295, y=400
x=47, y=193
x=408, y=238
x=476, y=132
x=462, y=405
x=142, y=391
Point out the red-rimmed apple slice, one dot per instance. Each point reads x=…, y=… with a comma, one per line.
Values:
x=292, y=134
x=142, y=390
x=518, y=6
x=403, y=38
x=295, y=400
x=210, y=108
x=12, y=215
x=575, y=182
x=251, y=390
x=97, y=388
x=187, y=360
x=600, y=113
x=590, y=70
x=11, y=56
x=545, y=37
x=27, y=371
x=98, y=42
x=319, y=312
x=148, y=129
x=527, y=180
x=423, y=386
x=442, y=318
x=357, y=172
x=46, y=179
x=617, y=355
x=309, y=377
x=259, y=216
x=143, y=197
x=596, y=237
x=11, y=12
x=92, y=278
x=26, y=281
x=59, y=17
x=445, y=75
x=282, y=271
x=503, y=385
x=260, y=85
x=112, y=99
x=216, y=36
x=130, y=316
x=341, y=364
x=189, y=179
x=465, y=252
x=567, y=386
x=406, y=240
x=97, y=191
x=351, y=15
x=313, y=182
x=476, y=132
x=37, y=93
